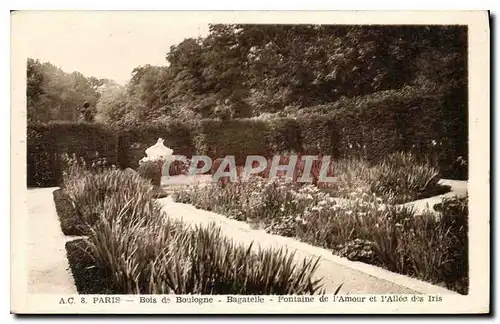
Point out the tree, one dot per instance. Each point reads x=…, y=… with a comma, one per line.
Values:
x=34, y=79
x=53, y=94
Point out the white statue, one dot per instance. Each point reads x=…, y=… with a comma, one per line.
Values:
x=158, y=152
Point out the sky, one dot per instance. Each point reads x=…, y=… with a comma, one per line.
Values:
x=105, y=44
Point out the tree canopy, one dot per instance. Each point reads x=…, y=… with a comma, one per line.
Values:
x=239, y=71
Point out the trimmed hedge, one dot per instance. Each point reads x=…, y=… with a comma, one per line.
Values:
x=319, y=134
x=284, y=135
x=238, y=137
x=46, y=143
x=71, y=224
x=134, y=141
x=409, y=119
x=426, y=123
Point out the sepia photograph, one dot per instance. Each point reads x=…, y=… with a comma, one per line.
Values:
x=194, y=158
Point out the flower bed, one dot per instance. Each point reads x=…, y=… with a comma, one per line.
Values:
x=132, y=247
x=360, y=224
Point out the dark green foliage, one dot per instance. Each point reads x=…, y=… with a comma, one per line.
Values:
x=384, y=88
x=284, y=135
x=319, y=134
x=430, y=246
x=89, y=279
x=53, y=94
x=70, y=222
x=407, y=119
x=239, y=137
x=151, y=170
x=46, y=144
x=253, y=69
x=455, y=214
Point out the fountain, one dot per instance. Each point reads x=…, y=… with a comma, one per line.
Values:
x=151, y=166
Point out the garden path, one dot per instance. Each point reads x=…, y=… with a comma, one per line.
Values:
x=356, y=277
x=458, y=189
x=47, y=265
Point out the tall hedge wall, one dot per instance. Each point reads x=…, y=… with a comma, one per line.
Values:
x=47, y=142
x=238, y=137
x=432, y=125
x=371, y=126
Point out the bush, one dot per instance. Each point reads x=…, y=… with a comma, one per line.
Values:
x=152, y=171
x=284, y=135
x=319, y=134
x=455, y=216
x=239, y=137
x=402, y=178
x=169, y=258
x=70, y=223
x=427, y=123
x=46, y=144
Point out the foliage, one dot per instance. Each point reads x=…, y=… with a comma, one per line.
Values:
x=240, y=138
x=53, y=94
x=361, y=226
x=365, y=91
x=283, y=135
x=401, y=178
x=152, y=171
x=319, y=134
x=143, y=251
x=455, y=214
x=116, y=107
x=70, y=223
x=254, y=69
x=48, y=142
x=169, y=258
x=91, y=192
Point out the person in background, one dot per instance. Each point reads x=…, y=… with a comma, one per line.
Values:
x=86, y=112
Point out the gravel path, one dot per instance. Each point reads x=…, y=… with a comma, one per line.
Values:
x=458, y=189
x=356, y=277
x=48, y=268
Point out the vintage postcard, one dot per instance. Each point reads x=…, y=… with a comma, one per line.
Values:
x=250, y=162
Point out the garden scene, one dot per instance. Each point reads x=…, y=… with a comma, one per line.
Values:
x=387, y=105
